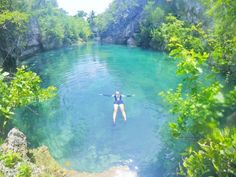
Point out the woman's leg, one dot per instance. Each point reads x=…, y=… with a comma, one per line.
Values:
x=122, y=109
x=115, y=112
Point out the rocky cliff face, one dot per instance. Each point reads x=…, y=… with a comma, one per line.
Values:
x=16, y=44
x=34, y=42
x=188, y=10
x=32, y=37
x=125, y=26
x=127, y=23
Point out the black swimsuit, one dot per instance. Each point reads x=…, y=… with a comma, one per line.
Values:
x=118, y=100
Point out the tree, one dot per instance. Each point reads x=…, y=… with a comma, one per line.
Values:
x=12, y=26
x=91, y=18
x=21, y=90
x=81, y=14
x=215, y=156
x=223, y=36
x=116, y=12
x=55, y=26
x=152, y=19
x=60, y=29
x=199, y=101
x=153, y=15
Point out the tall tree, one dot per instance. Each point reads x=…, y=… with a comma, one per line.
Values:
x=91, y=21
x=12, y=25
x=81, y=13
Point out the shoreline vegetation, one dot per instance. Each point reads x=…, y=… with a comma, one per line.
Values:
x=28, y=27
x=199, y=37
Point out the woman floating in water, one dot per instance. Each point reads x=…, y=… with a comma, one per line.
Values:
x=118, y=103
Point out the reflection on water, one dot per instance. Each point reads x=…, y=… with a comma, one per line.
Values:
x=77, y=124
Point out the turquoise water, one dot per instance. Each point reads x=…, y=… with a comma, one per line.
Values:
x=77, y=124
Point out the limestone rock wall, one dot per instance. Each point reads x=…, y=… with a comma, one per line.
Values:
x=127, y=24
x=32, y=39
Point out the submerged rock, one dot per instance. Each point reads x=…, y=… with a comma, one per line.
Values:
x=42, y=155
x=41, y=163
x=43, y=159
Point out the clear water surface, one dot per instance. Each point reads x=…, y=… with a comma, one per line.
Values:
x=77, y=125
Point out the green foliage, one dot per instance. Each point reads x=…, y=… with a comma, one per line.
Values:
x=185, y=43
x=223, y=38
x=15, y=12
x=157, y=41
x=22, y=90
x=12, y=25
x=1, y=141
x=24, y=171
x=10, y=159
x=56, y=28
x=198, y=112
x=51, y=26
x=59, y=27
x=231, y=99
x=91, y=18
x=144, y=37
x=153, y=17
x=216, y=156
x=117, y=11
x=170, y=33
x=22, y=5
x=223, y=13
x=177, y=32
x=200, y=103
x=15, y=17
x=103, y=20
x=81, y=13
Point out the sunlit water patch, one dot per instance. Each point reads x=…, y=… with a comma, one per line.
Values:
x=77, y=124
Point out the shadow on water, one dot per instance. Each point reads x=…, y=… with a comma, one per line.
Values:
x=77, y=124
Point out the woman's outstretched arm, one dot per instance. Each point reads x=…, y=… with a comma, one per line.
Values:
x=108, y=95
x=128, y=95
